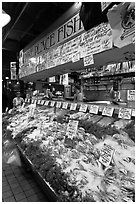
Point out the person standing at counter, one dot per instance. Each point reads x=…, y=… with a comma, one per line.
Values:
x=78, y=96
x=18, y=100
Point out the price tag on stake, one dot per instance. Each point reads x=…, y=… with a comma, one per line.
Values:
x=65, y=105
x=52, y=103
x=42, y=102
x=106, y=155
x=72, y=129
x=73, y=106
x=108, y=111
x=124, y=113
x=46, y=103
x=38, y=101
x=94, y=109
x=58, y=105
x=28, y=100
x=32, y=101
x=25, y=100
x=83, y=108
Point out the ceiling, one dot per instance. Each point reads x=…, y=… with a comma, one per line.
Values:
x=28, y=20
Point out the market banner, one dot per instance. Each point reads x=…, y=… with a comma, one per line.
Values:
x=122, y=22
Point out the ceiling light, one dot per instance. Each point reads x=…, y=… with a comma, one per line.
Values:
x=6, y=77
x=5, y=18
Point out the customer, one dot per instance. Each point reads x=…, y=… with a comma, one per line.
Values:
x=18, y=101
x=78, y=95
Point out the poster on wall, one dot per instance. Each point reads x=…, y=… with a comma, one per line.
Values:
x=122, y=21
x=88, y=60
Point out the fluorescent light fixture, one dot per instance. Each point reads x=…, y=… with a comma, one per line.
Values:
x=6, y=77
x=5, y=18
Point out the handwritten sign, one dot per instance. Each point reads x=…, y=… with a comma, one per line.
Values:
x=124, y=113
x=46, y=103
x=131, y=95
x=83, y=108
x=58, y=105
x=52, y=103
x=65, y=105
x=106, y=155
x=42, y=102
x=73, y=106
x=93, y=109
x=108, y=111
x=88, y=60
x=72, y=129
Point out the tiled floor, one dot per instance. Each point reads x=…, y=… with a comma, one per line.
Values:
x=18, y=185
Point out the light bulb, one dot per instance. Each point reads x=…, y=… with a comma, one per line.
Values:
x=5, y=18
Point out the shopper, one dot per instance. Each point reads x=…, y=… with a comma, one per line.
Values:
x=78, y=96
x=18, y=100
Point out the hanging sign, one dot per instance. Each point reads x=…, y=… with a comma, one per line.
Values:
x=72, y=129
x=52, y=103
x=122, y=22
x=93, y=109
x=83, y=107
x=131, y=95
x=58, y=104
x=88, y=60
x=13, y=67
x=124, y=113
x=73, y=106
x=65, y=105
x=106, y=155
x=108, y=111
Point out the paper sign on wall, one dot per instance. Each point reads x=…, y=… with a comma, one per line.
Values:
x=124, y=113
x=72, y=129
x=88, y=60
x=131, y=95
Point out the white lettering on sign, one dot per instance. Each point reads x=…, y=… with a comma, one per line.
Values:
x=108, y=111
x=73, y=106
x=83, y=108
x=72, y=129
x=131, y=95
x=106, y=155
x=93, y=109
x=124, y=113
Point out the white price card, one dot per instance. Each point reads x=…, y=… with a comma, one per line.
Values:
x=25, y=100
x=124, y=113
x=46, y=103
x=72, y=129
x=58, y=104
x=28, y=100
x=131, y=95
x=83, y=108
x=133, y=112
x=106, y=154
x=42, y=102
x=32, y=101
x=65, y=105
x=93, y=109
x=108, y=111
x=52, y=103
x=38, y=101
x=73, y=106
